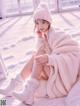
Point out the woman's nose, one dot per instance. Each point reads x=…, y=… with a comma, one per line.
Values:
x=40, y=27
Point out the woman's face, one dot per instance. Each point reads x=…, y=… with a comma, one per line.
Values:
x=42, y=25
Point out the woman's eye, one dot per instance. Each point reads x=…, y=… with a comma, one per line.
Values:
x=43, y=22
x=36, y=23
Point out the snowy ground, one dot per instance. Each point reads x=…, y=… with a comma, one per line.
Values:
x=17, y=39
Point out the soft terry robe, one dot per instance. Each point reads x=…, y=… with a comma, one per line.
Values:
x=64, y=60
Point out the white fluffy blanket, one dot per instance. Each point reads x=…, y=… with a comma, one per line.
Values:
x=64, y=60
x=63, y=86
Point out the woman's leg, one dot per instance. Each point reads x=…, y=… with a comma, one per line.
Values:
x=41, y=71
x=26, y=71
x=17, y=83
x=27, y=95
x=36, y=71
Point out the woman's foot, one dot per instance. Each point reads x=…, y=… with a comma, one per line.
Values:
x=15, y=84
x=27, y=96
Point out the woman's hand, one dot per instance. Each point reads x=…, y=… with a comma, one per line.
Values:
x=42, y=58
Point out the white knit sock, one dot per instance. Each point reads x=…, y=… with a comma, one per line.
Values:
x=27, y=96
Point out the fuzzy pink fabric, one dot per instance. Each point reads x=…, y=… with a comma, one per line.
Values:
x=42, y=12
x=64, y=61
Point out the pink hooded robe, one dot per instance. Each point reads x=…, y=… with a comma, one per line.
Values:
x=64, y=61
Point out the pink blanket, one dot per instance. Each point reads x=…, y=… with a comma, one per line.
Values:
x=73, y=98
x=64, y=61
